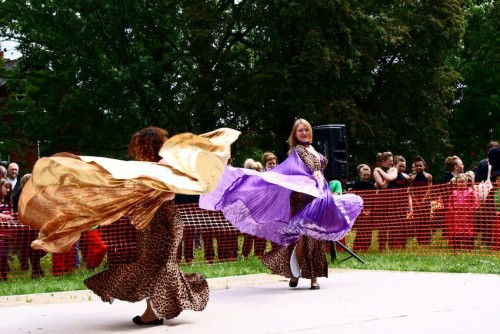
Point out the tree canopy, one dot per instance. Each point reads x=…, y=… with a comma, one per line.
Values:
x=402, y=75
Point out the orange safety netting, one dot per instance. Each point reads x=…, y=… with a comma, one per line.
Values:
x=436, y=220
x=441, y=219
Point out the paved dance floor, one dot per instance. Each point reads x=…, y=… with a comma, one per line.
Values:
x=350, y=301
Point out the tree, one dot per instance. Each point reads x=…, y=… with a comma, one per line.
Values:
x=93, y=72
x=474, y=120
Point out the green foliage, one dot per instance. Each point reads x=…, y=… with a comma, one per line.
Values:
x=474, y=121
x=94, y=72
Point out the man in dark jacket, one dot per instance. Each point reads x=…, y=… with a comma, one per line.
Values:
x=482, y=167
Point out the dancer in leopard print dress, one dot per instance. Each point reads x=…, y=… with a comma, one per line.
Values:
x=155, y=276
x=310, y=252
x=290, y=205
x=70, y=194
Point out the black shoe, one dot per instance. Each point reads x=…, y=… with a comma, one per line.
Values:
x=137, y=320
x=293, y=284
x=315, y=286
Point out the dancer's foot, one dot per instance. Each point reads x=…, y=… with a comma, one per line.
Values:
x=314, y=283
x=293, y=282
x=314, y=286
x=138, y=321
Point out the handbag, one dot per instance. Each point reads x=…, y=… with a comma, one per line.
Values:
x=484, y=188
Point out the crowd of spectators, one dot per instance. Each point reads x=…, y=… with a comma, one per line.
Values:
x=401, y=205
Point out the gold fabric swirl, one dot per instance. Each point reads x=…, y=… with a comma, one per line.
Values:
x=68, y=194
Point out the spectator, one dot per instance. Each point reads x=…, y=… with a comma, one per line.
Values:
x=403, y=208
x=252, y=164
x=484, y=223
x=420, y=185
x=482, y=167
x=363, y=182
x=363, y=225
x=384, y=174
x=5, y=233
x=191, y=229
x=493, y=202
x=120, y=238
x=13, y=177
x=93, y=248
x=455, y=167
x=460, y=214
x=269, y=160
x=64, y=263
x=3, y=172
x=494, y=159
x=335, y=187
x=24, y=238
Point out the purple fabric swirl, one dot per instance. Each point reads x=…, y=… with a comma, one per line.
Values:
x=258, y=203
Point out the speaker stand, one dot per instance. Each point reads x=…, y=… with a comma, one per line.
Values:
x=333, y=252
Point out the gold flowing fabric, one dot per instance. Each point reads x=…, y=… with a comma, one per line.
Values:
x=69, y=194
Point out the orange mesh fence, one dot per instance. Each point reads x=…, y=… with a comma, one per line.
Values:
x=440, y=220
x=436, y=220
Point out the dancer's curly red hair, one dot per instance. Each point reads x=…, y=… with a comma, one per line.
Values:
x=146, y=143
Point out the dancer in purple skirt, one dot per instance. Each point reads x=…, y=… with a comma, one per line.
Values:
x=290, y=205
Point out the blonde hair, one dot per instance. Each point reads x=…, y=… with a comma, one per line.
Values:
x=470, y=175
x=383, y=156
x=3, y=171
x=292, y=140
x=252, y=164
x=450, y=162
x=399, y=158
x=461, y=176
x=362, y=167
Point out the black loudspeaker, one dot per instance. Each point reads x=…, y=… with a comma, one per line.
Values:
x=331, y=141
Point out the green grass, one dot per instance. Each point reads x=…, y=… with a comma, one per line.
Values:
x=387, y=261
x=415, y=258
x=426, y=263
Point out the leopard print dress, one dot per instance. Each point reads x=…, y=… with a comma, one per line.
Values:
x=155, y=275
x=315, y=264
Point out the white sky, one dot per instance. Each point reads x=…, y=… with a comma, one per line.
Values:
x=9, y=48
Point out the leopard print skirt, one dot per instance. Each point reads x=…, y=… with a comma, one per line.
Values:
x=314, y=265
x=155, y=275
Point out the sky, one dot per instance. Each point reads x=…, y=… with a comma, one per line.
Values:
x=9, y=48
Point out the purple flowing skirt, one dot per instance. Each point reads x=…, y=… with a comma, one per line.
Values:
x=258, y=203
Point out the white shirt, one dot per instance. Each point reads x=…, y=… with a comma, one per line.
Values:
x=12, y=182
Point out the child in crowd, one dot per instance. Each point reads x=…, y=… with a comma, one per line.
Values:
x=460, y=214
x=270, y=160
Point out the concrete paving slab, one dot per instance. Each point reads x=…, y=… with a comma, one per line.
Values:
x=350, y=301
